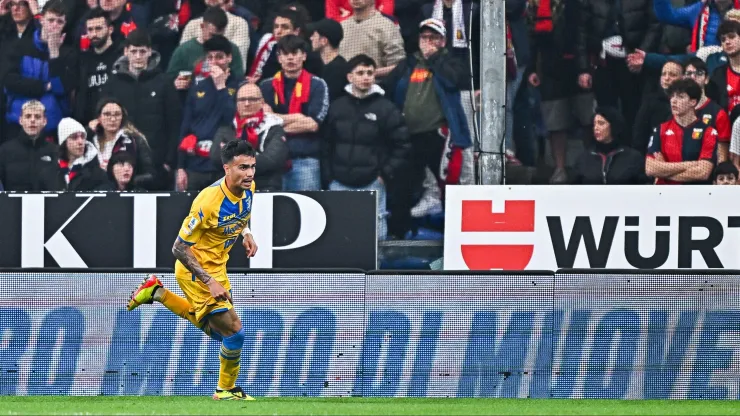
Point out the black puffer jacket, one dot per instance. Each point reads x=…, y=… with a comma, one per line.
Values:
x=619, y=165
x=88, y=176
x=29, y=165
x=272, y=152
x=639, y=26
x=152, y=104
x=363, y=139
x=654, y=111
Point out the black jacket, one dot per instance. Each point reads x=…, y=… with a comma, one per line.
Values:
x=272, y=152
x=620, y=166
x=138, y=150
x=640, y=28
x=89, y=177
x=29, y=165
x=153, y=106
x=717, y=87
x=95, y=72
x=654, y=111
x=363, y=139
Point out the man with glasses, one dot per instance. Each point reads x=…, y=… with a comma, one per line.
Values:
x=210, y=105
x=708, y=111
x=264, y=132
x=42, y=68
x=151, y=101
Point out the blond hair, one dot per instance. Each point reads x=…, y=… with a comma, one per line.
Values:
x=33, y=105
x=733, y=14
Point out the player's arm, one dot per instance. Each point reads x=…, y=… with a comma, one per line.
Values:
x=181, y=250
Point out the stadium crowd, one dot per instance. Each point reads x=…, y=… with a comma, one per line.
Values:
x=140, y=95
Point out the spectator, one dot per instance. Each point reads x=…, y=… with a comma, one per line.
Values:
x=115, y=134
x=709, y=112
x=518, y=39
x=607, y=161
x=210, y=105
x=725, y=173
x=188, y=57
x=426, y=86
x=79, y=167
x=16, y=19
x=735, y=138
x=42, y=68
x=96, y=64
x=371, y=33
x=340, y=10
x=366, y=143
x=554, y=71
x=151, y=102
x=703, y=18
x=682, y=149
x=301, y=100
x=326, y=36
x=264, y=131
x=656, y=108
x=265, y=64
x=237, y=29
x=615, y=32
x=121, y=14
x=724, y=83
x=120, y=173
x=29, y=162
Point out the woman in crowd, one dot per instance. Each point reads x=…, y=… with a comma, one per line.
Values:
x=608, y=161
x=121, y=168
x=264, y=131
x=115, y=134
x=79, y=169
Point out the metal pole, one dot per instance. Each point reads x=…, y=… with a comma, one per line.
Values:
x=493, y=92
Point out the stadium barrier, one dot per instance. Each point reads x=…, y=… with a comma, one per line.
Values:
x=569, y=334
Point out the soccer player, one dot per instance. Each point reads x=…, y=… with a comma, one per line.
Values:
x=219, y=214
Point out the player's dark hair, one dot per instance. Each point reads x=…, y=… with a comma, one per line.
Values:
x=56, y=7
x=697, y=63
x=725, y=168
x=727, y=27
x=292, y=44
x=685, y=86
x=139, y=37
x=218, y=43
x=236, y=148
x=98, y=13
x=361, y=60
x=217, y=17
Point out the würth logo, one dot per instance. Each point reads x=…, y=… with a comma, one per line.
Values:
x=478, y=216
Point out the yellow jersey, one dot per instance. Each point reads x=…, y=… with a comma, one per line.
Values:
x=217, y=218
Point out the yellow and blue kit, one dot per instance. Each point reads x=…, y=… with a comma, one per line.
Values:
x=217, y=218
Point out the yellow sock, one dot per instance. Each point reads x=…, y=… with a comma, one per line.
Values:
x=229, y=369
x=178, y=305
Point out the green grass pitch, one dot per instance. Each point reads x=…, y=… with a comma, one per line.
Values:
x=46, y=405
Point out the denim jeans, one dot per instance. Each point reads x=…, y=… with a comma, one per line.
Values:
x=304, y=176
x=382, y=212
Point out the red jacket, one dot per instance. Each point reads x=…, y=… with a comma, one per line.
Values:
x=341, y=9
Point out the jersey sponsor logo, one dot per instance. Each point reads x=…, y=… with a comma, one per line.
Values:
x=696, y=134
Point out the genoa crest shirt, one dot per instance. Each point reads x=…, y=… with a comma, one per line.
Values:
x=217, y=218
x=713, y=115
x=683, y=144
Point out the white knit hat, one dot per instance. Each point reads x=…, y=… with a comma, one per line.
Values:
x=67, y=127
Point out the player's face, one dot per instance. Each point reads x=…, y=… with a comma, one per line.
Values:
x=241, y=171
